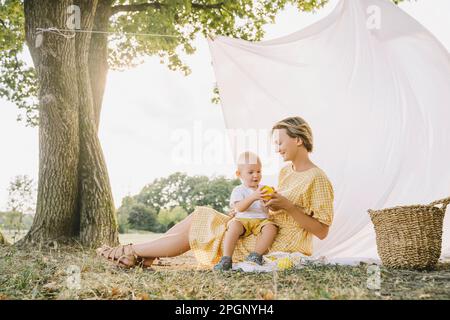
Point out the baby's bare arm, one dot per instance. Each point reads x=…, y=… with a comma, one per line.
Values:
x=244, y=204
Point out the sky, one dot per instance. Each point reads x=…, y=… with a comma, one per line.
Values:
x=150, y=113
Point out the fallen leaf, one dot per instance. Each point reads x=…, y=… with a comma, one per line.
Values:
x=143, y=296
x=268, y=295
x=51, y=286
x=115, y=291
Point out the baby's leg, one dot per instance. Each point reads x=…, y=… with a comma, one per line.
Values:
x=234, y=231
x=266, y=238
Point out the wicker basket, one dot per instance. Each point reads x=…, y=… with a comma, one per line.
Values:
x=410, y=237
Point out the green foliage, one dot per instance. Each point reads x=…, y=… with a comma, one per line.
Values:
x=13, y=220
x=20, y=206
x=173, y=198
x=187, y=192
x=21, y=195
x=169, y=218
x=183, y=19
x=18, y=82
x=169, y=192
x=214, y=193
x=123, y=213
x=139, y=217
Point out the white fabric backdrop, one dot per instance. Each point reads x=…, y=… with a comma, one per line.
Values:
x=374, y=85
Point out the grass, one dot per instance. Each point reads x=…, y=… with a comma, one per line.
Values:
x=37, y=273
x=13, y=236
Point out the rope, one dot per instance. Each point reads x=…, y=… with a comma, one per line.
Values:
x=60, y=32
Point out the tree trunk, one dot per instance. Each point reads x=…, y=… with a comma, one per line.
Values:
x=97, y=213
x=98, y=56
x=74, y=194
x=56, y=69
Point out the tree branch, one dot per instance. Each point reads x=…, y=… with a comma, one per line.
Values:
x=144, y=6
x=208, y=6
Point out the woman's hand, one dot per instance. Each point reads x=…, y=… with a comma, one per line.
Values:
x=278, y=202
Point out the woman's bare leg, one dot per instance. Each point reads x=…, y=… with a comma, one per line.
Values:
x=180, y=225
x=173, y=243
x=167, y=246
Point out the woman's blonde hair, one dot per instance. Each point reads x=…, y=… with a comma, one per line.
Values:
x=297, y=127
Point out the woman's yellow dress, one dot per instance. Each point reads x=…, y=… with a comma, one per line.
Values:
x=310, y=189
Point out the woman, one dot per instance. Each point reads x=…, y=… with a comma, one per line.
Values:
x=302, y=207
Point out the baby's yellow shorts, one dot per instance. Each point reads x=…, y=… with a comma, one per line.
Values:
x=252, y=225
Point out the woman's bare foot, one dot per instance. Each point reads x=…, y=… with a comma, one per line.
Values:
x=122, y=255
x=146, y=262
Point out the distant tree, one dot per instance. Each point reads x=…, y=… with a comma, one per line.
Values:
x=187, y=192
x=21, y=195
x=169, y=218
x=123, y=213
x=141, y=217
x=16, y=223
x=21, y=203
x=214, y=193
x=11, y=220
x=167, y=192
x=173, y=198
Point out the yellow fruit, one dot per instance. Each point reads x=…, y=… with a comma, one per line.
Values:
x=285, y=263
x=269, y=191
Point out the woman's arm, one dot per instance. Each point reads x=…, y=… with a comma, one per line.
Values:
x=319, y=229
x=310, y=224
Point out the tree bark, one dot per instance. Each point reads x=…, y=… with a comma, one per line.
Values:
x=74, y=194
x=55, y=64
x=97, y=213
x=98, y=56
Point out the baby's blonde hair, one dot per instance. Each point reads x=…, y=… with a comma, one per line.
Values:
x=247, y=157
x=296, y=127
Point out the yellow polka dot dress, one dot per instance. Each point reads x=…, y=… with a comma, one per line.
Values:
x=310, y=189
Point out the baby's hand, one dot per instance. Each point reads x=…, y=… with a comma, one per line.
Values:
x=259, y=194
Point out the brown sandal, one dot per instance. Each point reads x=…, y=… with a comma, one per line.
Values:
x=117, y=255
x=141, y=262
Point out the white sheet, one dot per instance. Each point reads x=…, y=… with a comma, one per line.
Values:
x=377, y=99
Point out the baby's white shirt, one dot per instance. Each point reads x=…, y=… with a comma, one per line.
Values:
x=257, y=210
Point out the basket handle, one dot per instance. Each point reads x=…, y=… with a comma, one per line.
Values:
x=444, y=202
